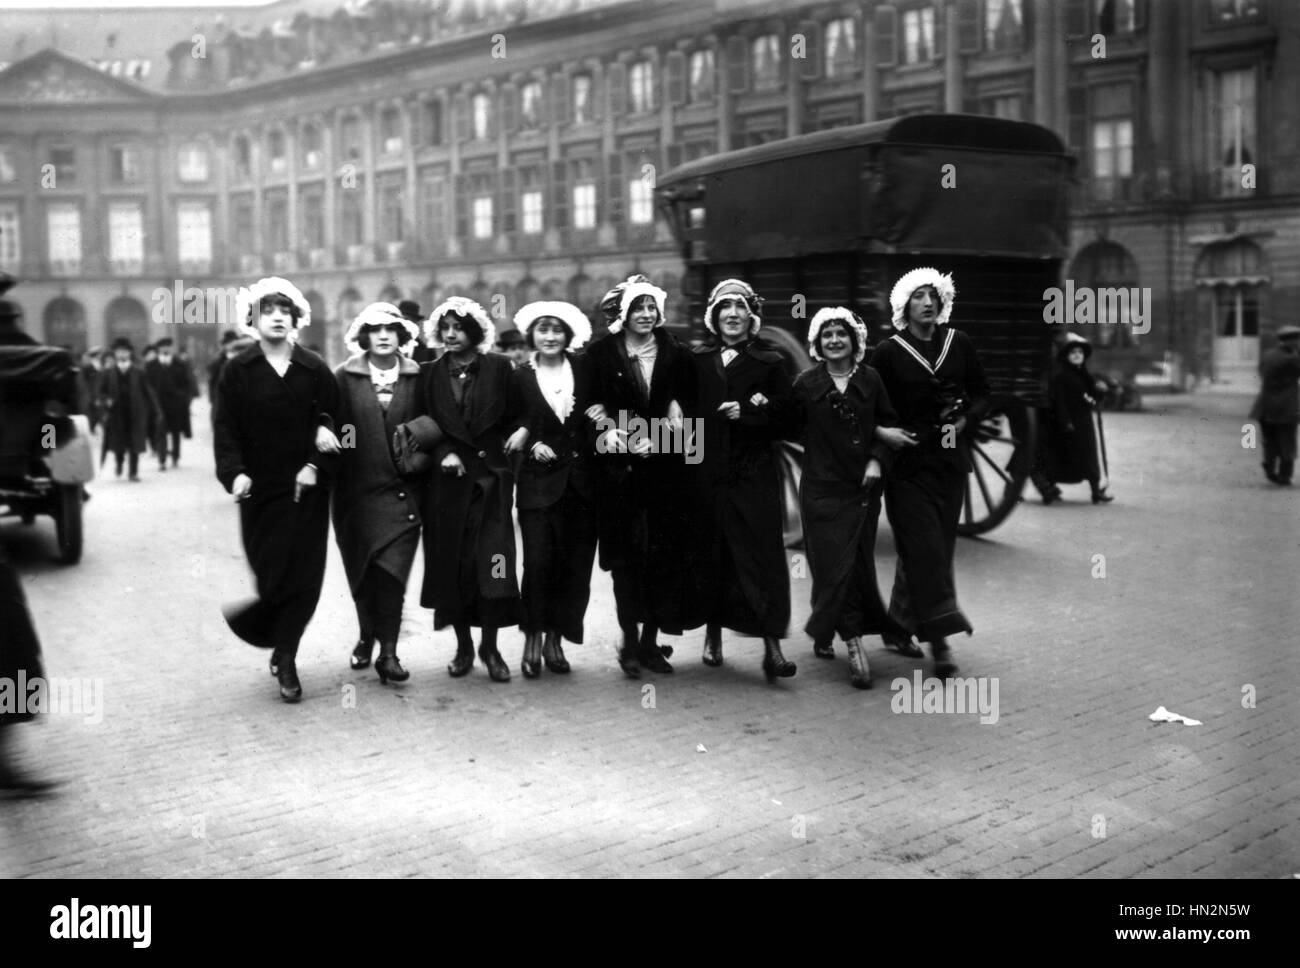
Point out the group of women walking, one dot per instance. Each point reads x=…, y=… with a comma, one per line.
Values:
x=451, y=447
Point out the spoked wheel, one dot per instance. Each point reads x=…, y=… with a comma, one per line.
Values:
x=1001, y=452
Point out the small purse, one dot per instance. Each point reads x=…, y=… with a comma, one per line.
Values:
x=413, y=444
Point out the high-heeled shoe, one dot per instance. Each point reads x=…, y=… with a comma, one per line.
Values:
x=824, y=650
x=389, y=667
x=860, y=671
x=712, y=649
x=290, y=687
x=461, y=665
x=531, y=665
x=775, y=665
x=496, y=666
x=361, y=654
x=553, y=654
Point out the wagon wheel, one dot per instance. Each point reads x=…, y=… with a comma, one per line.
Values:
x=1002, y=449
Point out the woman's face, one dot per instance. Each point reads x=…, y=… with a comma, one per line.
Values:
x=834, y=342
x=383, y=341
x=549, y=336
x=453, y=335
x=1075, y=356
x=924, y=305
x=275, y=318
x=733, y=318
x=643, y=316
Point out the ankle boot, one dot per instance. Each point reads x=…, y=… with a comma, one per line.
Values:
x=824, y=648
x=388, y=666
x=531, y=666
x=775, y=665
x=498, y=671
x=650, y=655
x=713, y=646
x=464, y=660
x=944, y=667
x=362, y=652
x=290, y=687
x=553, y=653
x=860, y=671
x=627, y=660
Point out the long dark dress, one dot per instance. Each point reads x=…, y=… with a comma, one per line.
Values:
x=376, y=511
x=743, y=575
x=840, y=516
x=641, y=515
x=925, y=489
x=469, y=535
x=1073, y=453
x=557, y=501
x=265, y=427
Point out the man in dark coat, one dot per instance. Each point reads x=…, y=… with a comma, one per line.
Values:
x=1277, y=408
x=128, y=404
x=173, y=383
x=275, y=450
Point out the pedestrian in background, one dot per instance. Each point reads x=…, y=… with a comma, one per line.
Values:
x=469, y=534
x=129, y=407
x=556, y=485
x=844, y=419
x=173, y=383
x=742, y=398
x=1277, y=407
x=376, y=506
x=275, y=447
x=511, y=343
x=937, y=386
x=1075, y=444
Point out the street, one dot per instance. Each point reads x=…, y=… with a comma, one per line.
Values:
x=197, y=769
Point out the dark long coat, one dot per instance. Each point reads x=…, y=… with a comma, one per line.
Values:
x=115, y=387
x=1073, y=441
x=20, y=649
x=641, y=512
x=541, y=485
x=450, y=540
x=376, y=510
x=743, y=581
x=174, y=386
x=265, y=427
x=1278, y=401
x=840, y=517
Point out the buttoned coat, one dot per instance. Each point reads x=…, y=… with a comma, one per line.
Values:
x=541, y=485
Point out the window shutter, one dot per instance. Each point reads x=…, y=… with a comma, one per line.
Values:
x=886, y=36
x=462, y=202
x=560, y=194
x=615, y=190
x=599, y=79
x=810, y=67
x=560, y=98
x=616, y=80
x=940, y=32
x=493, y=113
x=508, y=201
x=968, y=25
x=737, y=65
x=510, y=108
x=1076, y=18
x=460, y=108
x=1078, y=111
x=675, y=75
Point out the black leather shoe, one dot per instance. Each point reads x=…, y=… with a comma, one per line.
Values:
x=275, y=665
x=944, y=667
x=903, y=646
x=389, y=667
x=627, y=660
x=824, y=650
x=461, y=665
x=712, y=650
x=290, y=687
x=361, y=653
x=496, y=666
x=553, y=653
x=775, y=665
x=531, y=666
x=653, y=659
x=1101, y=497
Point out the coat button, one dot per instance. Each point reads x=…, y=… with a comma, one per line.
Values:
x=410, y=517
x=482, y=453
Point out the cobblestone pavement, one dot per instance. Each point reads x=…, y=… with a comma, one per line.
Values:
x=198, y=769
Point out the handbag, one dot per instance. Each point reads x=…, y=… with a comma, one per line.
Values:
x=413, y=444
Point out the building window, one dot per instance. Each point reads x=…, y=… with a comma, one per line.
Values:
x=64, y=161
x=243, y=157
x=10, y=250
x=482, y=212
x=350, y=138
x=124, y=165
x=125, y=238
x=1232, y=131
x=1112, y=141
x=7, y=171
x=432, y=122
x=530, y=201
x=641, y=210
x=641, y=87
x=918, y=35
x=841, y=47
x=765, y=62
x=277, y=224
x=702, y=74
x=390, y=213
x=582, y=90
x=194, y=235
x=390, y=130
x=530, y=105
x=312, y=152
x=1004, y=25
x=1116, y=16
x=1232, y=12
x=433, y=207
x=1009, y=106
x=63, y=229
x=1107, y=266
x=276, y=145
x=584, y=194
x=481, y=116
x=350, y=229
x=312, y=206
x=192, y=163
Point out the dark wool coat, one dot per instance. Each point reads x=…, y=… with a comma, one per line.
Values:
x=541, y=485
x=1073, y=441
x=641, y=509
x=743, y=576
x=265, y=427
x=376, y=511
x=115, y=388
x=450, y=540
x=20, y=649
x=174, y=387
x=839, y=516
x=1279, y=393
